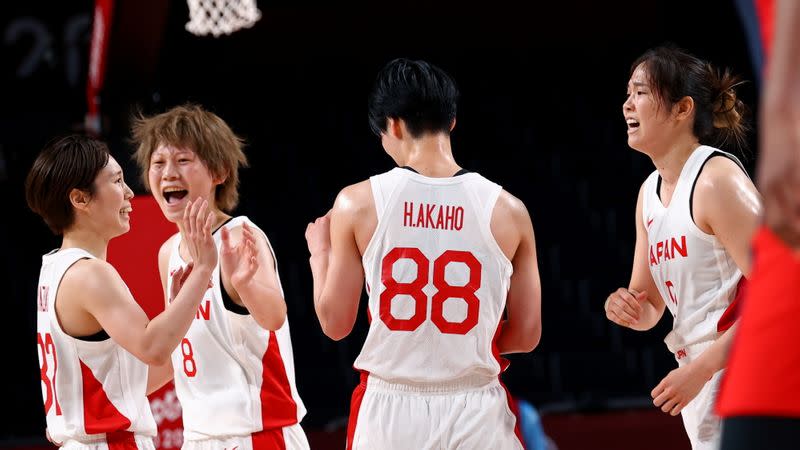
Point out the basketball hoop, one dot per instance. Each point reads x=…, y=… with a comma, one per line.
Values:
x=219, y=17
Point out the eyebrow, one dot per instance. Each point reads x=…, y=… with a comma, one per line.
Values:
x=117, y=173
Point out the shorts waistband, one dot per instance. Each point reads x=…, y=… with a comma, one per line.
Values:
x=108, y=437
x=688, y=353
x=461, y=384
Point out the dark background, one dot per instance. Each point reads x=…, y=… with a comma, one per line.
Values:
x=542, y=88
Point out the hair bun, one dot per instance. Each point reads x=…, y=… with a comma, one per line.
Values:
x=726, y=109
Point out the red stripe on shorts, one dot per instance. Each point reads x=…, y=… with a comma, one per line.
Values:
x=504, y=363
x=120, y=440
x=355, y=405
x=269, y=440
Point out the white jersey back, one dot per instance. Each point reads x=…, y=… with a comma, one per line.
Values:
x=90, y=388
x=436, y=278
x=694, y=274
x=232, y=377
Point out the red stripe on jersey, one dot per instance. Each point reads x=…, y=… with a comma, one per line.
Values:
x=121, y=440
x=496, y=352
x=278, y=408
x=355, y=405
x=99, y=414
x=269, y=440
x=732, y=311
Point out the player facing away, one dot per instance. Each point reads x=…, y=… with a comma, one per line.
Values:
x=449, y=260
x=234, y=370
x=694, y=218
x=95, y=342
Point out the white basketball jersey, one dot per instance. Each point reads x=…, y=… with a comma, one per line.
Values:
x=90, y=388
x=694, y=274
x=232, y=377
x=436, y=278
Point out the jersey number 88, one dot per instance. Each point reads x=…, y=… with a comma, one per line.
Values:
x=444, y=290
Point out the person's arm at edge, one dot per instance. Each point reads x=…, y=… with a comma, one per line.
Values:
x=522, y=330
x=336, y=268
x=778, y=173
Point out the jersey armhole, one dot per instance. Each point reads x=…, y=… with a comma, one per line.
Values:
x=100, y=336
x=488, y=212
x=227, y=301
x=380, y=202
x=377, y=196
x=697, y=177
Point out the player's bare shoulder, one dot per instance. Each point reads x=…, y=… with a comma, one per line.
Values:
x=510, y=222
x=89, y=274
x=721, y=181
x=88, y=280
x=355, y=199
x=163, y=258
x=165, y=250
x=720, y=173
x=355, y=210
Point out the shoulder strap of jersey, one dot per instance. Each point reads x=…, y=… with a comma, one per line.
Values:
x=383, y=185
x=64, y=259
x=649, y=194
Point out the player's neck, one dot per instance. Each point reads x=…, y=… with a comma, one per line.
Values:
x=670, y=162
x=86, y=240
x=430, y=155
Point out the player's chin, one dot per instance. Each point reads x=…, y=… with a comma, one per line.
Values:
x=122, y=229
x=171, y=214
x=633, y=143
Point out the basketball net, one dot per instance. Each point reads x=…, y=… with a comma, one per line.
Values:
x=219, y=17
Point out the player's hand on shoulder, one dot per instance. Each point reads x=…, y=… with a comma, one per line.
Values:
x=624, y=306
x=197, y=222
x=318, y=235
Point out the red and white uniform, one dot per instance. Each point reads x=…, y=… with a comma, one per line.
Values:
x=437, y=284
x=94, y=391
x=698, y=281
x=233, y=378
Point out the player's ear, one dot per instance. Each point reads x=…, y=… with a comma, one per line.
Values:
x=453, y=125
x=683, y=108
x=79, y=199
x=395, y=127
x=219, y=179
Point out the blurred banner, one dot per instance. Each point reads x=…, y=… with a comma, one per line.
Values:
x=757, y=17
x=135, y=256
